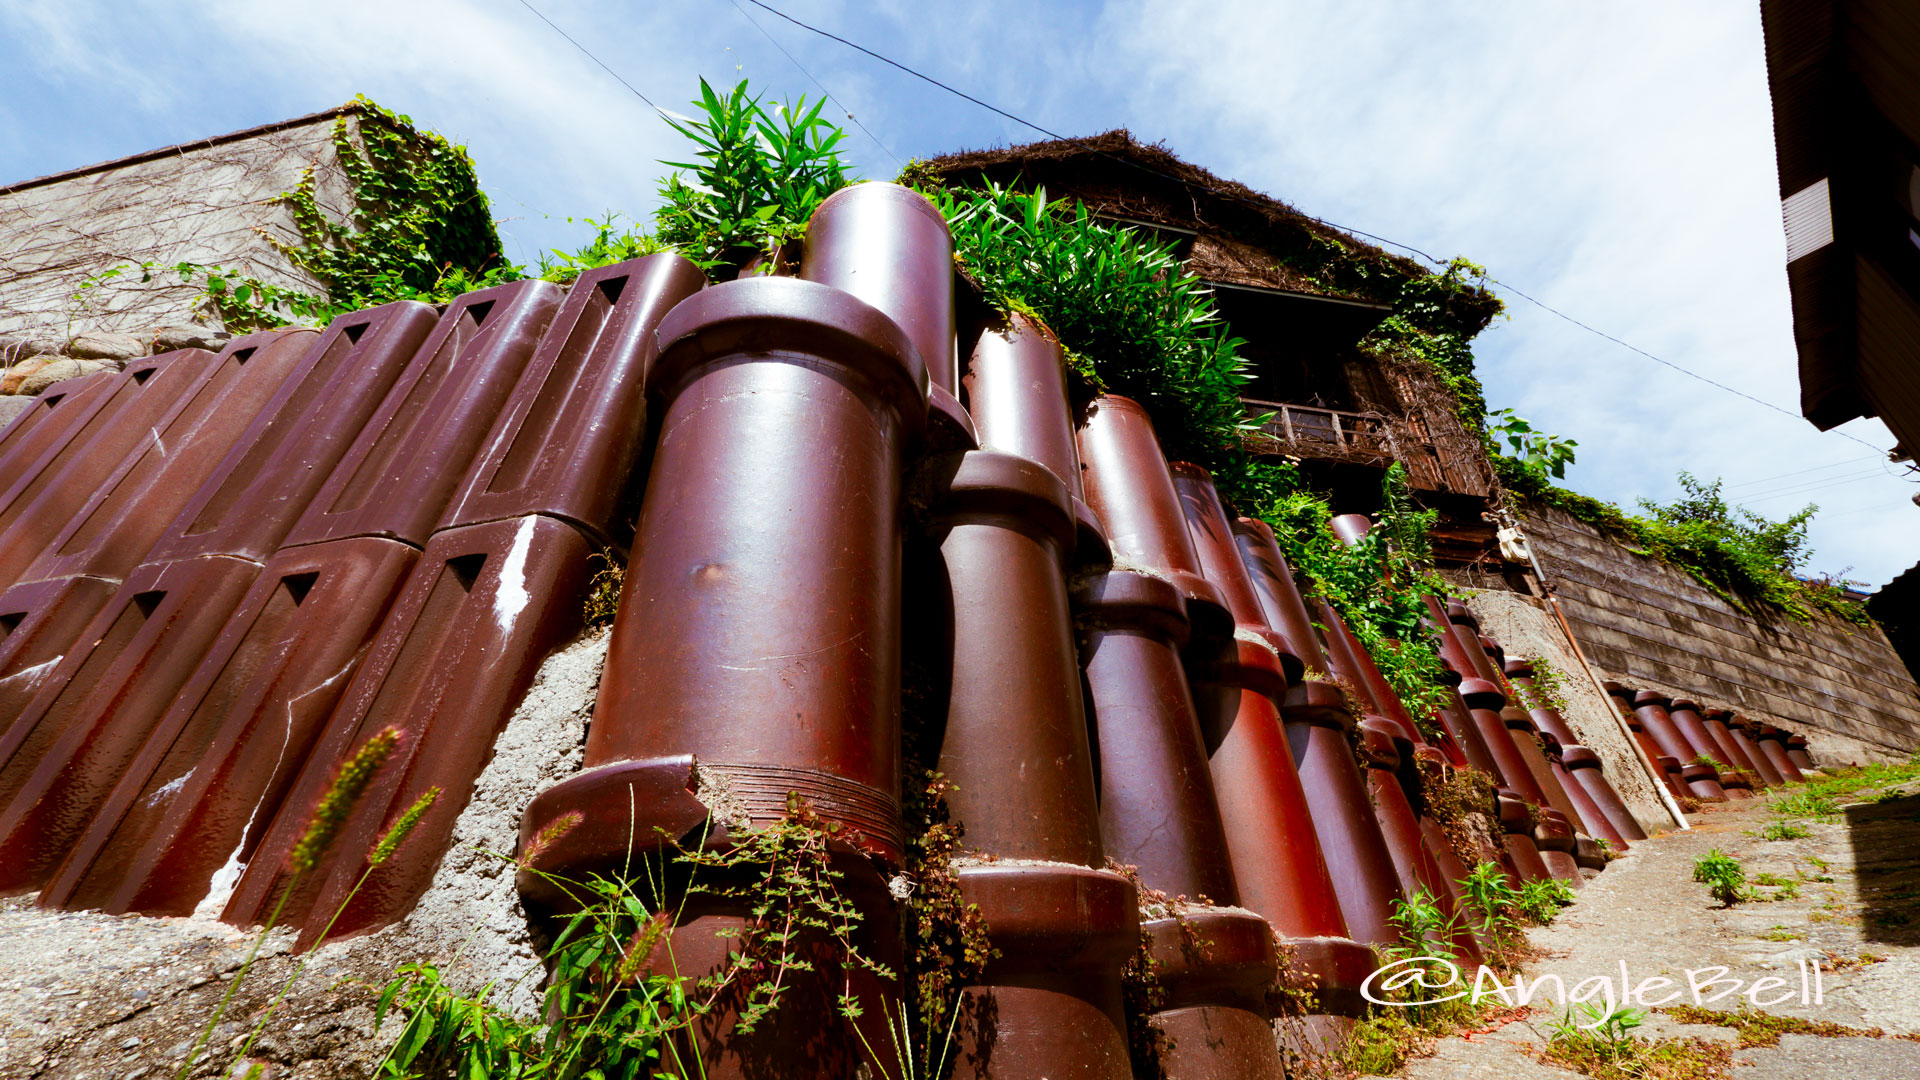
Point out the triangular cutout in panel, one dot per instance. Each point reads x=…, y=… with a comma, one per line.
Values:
x=243, y=355
x=54, y=399
x=612, y=287
x=10, y=620
x=466, y=569
x=479, y=312
x=356, y=331
x=149, y=602
x=299, y=585
x=143, y=375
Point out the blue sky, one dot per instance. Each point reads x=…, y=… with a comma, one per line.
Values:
x=1615, y=161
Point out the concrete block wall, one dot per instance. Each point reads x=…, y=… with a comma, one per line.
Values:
x=1650, y=625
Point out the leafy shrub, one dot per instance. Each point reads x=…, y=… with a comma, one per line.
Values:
x=1783, y=830
x=1723, y=876
x=1541, y=900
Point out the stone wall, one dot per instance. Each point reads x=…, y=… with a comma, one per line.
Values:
x=1650, y=625
x=209, y=202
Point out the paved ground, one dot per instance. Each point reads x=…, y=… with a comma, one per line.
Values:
x=1857, y=914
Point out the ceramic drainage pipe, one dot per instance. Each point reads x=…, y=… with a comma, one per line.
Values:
x=1352, y=664
x=1622, y=698
x=1744, y=733
x=992, y=634
x=1698, y=781
x=1584, y=766
x=1381, y=743
x=1797, y=752
x=1773, y=743
x=1158, y=809
x=1688, y=717
x=1731, y=751
x=1239, y=690
x=788, y=410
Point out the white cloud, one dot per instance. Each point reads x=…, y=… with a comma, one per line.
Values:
x=1614, y=161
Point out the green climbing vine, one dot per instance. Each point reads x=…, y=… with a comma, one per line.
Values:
x=1748, y=560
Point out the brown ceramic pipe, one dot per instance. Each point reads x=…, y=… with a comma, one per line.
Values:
x=1238, y=691
x=1317, y=720
x=1553, y=836
x=1622, y=699
x=1158, y=808
x=1381, y=746
x=991, y=626
x=1773, y=743
x=1584, y=766
x=1743, y=731
x=788, y=410
x=1735, y=754
x=1516, y=827
x=1797, y=753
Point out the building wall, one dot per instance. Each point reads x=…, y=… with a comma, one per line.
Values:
x=1649, y=625
x=210, y=202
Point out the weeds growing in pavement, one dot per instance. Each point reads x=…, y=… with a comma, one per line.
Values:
x=1598, y=1040
x=1723, y=876
x=1540, y=901
x=1783, y=830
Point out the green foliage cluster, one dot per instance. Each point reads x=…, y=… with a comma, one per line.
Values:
x=616, y=1006
x=1598, y=1040
x=1744, y=558
x=1378, y=584
x=759, y=178
x=1723, y=876
x=418, y=214
x=1434, y=318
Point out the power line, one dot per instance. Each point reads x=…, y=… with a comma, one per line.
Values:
x=1810, y=489
x=1801, y=472
x=1321, y=221
x=823, y=86
x=603, y=67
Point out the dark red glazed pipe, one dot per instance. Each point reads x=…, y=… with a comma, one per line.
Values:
x=1317, y=720
x=1734, y=753
x=1797, y=752
x=1773, y=743
x=991, y=625
x=1584, y=766
x=1743, y=731
x=1381, y=744
x=789, y=407
x=1158, y=808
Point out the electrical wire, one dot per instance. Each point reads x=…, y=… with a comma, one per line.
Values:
x=1800, y=472
x=664, y=114
x=823, y=86
x=1220, y=192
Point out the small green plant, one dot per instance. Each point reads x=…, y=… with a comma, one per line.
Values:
x=1600, y=1042
x=759, y=176
x=1541, y=900
x=1783, y=830
x=1806, y=804
x=1723, y=876
x=603, y=591
x=1495, y=899
x=1550, y=454
x=1710, y=760
x=1780, y=933
x=1608, y=1030
x=323, y=828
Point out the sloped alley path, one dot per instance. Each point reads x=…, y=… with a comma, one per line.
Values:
x=1857, y=912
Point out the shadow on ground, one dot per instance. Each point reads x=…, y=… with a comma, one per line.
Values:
x=1886, y=855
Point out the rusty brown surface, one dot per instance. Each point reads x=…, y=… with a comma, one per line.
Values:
x=42, y=495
